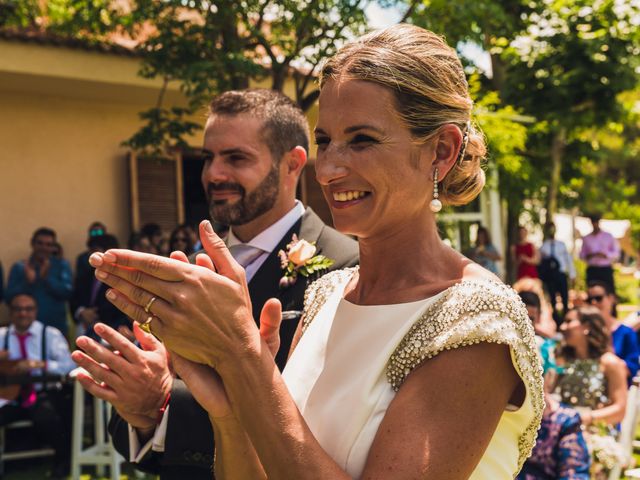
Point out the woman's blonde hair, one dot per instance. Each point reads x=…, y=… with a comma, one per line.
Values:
x=430, y=90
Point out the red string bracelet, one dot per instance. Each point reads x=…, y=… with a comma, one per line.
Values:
x=163, y=408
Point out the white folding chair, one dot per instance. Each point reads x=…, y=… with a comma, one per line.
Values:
x=101, y=453
x=627, y=432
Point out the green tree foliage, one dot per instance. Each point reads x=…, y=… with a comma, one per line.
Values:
x=567, y=64
x=205, y=46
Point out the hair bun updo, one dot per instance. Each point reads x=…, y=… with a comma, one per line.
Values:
x=430, y=90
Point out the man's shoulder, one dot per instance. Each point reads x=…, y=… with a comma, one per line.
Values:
x=19, y=265
x=336, y=245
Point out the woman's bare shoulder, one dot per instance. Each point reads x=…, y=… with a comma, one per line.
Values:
x=473, y=271
x=610, y=361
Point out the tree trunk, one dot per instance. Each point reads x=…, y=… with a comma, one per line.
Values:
x=513, y=223
x=558, y=145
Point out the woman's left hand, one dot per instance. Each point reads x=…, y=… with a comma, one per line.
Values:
x=201, y=312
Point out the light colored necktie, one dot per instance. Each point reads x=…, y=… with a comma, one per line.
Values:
x=245, y=254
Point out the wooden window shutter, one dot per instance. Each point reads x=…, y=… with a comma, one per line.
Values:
x=156, y=191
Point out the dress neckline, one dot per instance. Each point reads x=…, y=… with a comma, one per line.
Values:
x=469, y=281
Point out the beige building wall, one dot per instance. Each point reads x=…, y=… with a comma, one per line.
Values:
x=63, y=115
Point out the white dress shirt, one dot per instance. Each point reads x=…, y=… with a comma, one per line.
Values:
x=57, y=356
x=562, y=255
x=267, y=241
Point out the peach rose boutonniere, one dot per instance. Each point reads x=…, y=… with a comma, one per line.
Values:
x=300, y=259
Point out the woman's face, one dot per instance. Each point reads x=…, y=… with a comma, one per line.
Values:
x=572, y=329
x=373, y=177
x=522, y=234
x=599, y=298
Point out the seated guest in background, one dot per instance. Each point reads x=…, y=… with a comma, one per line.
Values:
x=590, y=376
x=82, y=260
x=140, y=243
x=181, y=240
x=38, y=348
x=89, y=304
x=45, y=277
x=545, y=326
x=561, y=451
x=156, y=236
x=484, y=253
x=546, y=345
x=57, y=251
x=625, y=342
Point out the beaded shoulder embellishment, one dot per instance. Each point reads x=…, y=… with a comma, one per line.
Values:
x=319, y=291
x=468, y=313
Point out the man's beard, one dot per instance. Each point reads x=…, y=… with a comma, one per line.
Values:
x=250, y=206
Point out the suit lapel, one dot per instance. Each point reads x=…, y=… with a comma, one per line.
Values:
x=265, y=282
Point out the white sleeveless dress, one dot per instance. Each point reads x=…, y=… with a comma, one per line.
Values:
x=352, y=359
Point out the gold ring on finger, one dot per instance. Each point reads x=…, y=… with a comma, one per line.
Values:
x=147, y=307
x=146, y=325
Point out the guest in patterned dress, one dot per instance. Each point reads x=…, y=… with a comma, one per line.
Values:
x=590, y=376
x=561, y=451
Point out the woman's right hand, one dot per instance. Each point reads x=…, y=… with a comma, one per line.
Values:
x=204, y=382
x=205, y=385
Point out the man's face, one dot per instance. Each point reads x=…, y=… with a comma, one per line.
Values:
x=22, y=312
x=43, y=246
x=534, y=313
x=239, y=176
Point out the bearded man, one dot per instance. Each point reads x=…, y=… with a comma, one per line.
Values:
x=255, y=148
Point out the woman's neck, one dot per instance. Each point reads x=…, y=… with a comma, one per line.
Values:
x=406, y=265
x=582, y=351
x=611, y=322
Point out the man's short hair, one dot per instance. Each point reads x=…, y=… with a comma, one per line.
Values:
x=103, y=242
x=595, y=217
x=530, y=299
x=44, y=231
x=285, y=126
x=21, y=294
x=603, y=285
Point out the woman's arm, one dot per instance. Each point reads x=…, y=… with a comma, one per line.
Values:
x=428, y=415
x=616, y=372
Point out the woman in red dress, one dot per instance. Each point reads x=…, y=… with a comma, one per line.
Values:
x=525, y=256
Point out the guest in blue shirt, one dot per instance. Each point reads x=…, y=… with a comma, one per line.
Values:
x=46, y=278
x=625, y=342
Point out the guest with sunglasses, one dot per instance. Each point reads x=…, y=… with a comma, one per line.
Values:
x=625, y=343
x=590, y=378
x=181, y=240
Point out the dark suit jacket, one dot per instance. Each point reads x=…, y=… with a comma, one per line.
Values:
x=189, y=441
x=107, y=312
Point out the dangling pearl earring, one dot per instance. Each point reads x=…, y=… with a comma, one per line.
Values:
x=436, y=205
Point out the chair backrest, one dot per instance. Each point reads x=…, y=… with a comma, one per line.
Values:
x=627, y=429
x=628, y=424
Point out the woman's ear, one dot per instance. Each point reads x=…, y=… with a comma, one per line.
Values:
x=448, y=142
